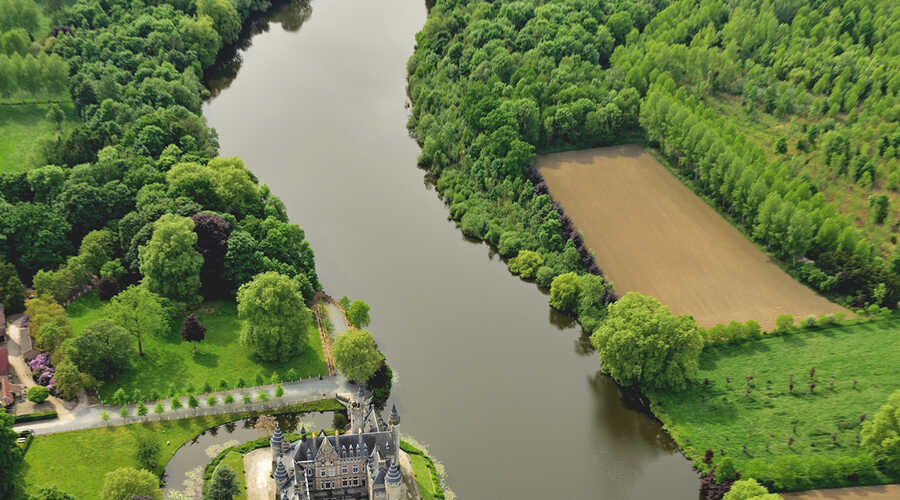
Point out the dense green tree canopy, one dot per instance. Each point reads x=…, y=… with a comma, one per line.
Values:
x=103, y=349
x=358, y=314
x=127, y=482
x=10, y=454
x=140, y=312
x=276, y=319
x=642, y=343
x=881, y=435
x=169, y=262
x=356, y=356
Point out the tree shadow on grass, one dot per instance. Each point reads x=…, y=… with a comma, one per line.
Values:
x=711, y=356
x=207, y=359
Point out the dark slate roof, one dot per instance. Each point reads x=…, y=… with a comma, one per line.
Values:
x=308, y=448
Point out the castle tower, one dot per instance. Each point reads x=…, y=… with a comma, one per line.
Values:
x=281, y=477
x=275, y=443
x=358, y=411
x=395, y=432
x=394, y=483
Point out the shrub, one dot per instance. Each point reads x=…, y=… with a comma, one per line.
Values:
x=526, y=264
x=810, y=322
x=544, y=276
x=748, y=489
x=38, y=394
x=881, y=435
x=564, y=292
x=725, y=470
x=784, y=323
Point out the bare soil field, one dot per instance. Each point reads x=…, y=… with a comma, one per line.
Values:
x=651, y=234
x=887, y=492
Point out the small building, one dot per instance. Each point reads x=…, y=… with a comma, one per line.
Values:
x=364, y=463
x=8, y=390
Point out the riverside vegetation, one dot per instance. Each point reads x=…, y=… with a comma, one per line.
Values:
x=130, y=199
x=720, y=88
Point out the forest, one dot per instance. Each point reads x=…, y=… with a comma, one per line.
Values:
x=783, y=114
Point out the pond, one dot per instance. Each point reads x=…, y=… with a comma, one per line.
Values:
x=504, y=392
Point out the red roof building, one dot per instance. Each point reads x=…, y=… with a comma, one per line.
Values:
x=4, y=361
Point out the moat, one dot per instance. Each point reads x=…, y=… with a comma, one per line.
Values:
x=504, y=392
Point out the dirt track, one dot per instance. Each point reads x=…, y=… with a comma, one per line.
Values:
x=887, y=492
x=651, y=234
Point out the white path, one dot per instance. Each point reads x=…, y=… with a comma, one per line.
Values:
x=86, y=417
x=257, y=472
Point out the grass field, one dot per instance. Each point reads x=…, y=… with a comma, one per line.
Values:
x=219, y=356
x=721, y=416
x=423, y=476
x=76, y=462
x=651, y=234
x=235, y=461
x=21, y=129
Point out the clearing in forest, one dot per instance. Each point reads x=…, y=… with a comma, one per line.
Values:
x=651, y=234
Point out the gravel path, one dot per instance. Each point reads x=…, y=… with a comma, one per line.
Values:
x=257, y=467
x=886, y=492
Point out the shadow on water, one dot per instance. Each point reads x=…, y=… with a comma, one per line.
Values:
x=290, y=15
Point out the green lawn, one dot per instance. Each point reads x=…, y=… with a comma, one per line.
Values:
x=235, y=461
x=168, y=359
x=423, y=476
x=75, y=462
x=21, y=128
x=722, y=416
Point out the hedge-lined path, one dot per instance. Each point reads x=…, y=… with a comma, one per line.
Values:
x=18, y=344
x=324, y=334
x=87, y=417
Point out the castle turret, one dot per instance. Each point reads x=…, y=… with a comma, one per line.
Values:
x=275, y=443
x=394, y=483
x=281, y=476
x=395, y=432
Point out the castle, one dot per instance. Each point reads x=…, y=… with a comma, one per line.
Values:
x=364, y=463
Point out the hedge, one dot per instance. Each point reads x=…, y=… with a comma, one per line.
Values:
x=31, y=417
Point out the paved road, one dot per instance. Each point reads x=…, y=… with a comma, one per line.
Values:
x=86, y=417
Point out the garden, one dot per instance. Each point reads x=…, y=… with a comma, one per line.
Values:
x=169, y=365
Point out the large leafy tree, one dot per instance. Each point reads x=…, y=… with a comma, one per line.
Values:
x=103, y=349
x=140, y=312
x=642, y=343
x=10, y=455
x=356, y=356
x=275, y=317
x=881, y=435
x=212, y=243
x=358, y=314
x=12, y=292
x=169, y=262
x=127, y=482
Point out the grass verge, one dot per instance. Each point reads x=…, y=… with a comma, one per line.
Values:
x=22, y=127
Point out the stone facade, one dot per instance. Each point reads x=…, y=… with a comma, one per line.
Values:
x=360, y=464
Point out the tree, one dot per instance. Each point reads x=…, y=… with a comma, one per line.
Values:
x=138, y=311
x=12, y=292
x=55, y=114
x=124, y=411
x=97, y=248
x=38, y=394
x=564, y=292
x=725, y=470
x=749, y=489
x=10, y=455
x=223, y=485
x=193, y=403
x=276, y=320
x=358, y=314
x=141, y=409
x=212, y=243
x=68, y=380
x=148, y=450
x=176, y=403
x=192, y=330
x=103, y=349
x=243, y=259
x=279, y=391
x=169, y=262
x=881, y=435
x=526, y=264
x=225, y=18
x=127, y=482
x=356, y=356
x=50, y=493
x=642, y=343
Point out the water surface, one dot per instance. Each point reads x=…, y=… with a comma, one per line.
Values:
x=502, y=391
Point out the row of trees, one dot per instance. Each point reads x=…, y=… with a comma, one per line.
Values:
x=29, y=77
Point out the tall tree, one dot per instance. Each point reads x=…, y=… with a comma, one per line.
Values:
x=103, y=349
x=642, y=343
x=192, y=330
x=212, y=243
x=358, y=314
x=223, y=486
x=356, y=356
x=169, y=262
x=276, y=320
x=140, y=312
x=10, y=455
x=881, y=435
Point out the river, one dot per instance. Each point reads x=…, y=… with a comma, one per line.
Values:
x=506, y=394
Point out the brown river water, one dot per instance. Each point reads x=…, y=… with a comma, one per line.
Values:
x=504, y=392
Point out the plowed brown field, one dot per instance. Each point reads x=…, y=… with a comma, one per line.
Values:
x=651, y=234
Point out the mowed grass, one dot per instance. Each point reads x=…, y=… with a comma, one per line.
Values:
x=76, y=462
x=235, y=462
x=721, y=416
x=169, y=360
x=21, y=129
x=423, y=476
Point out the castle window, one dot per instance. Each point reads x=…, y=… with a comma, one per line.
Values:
x=355, y=469
x=331, y=472
x=344, y=470
x=322, y=473
x=343, y=482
